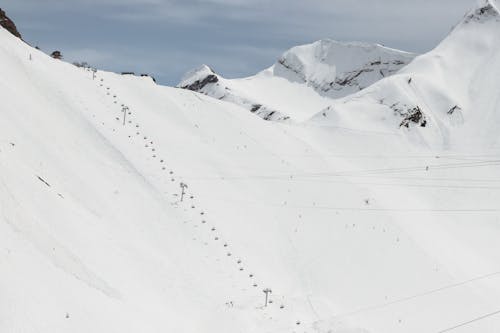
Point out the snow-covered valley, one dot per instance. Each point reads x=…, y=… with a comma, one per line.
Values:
x=374, y=213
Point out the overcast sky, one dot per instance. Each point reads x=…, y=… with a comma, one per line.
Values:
x=236, y=37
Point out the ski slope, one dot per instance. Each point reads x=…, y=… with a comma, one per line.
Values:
x=357, y=225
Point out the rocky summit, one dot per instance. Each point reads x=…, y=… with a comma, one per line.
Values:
x=8, y=24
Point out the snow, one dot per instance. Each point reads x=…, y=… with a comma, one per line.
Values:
x=337, y=69
x=458, y=95
x=355, y=223
x=305, y=79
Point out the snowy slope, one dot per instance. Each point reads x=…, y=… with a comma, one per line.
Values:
x=355, y=229
x=304, y=79
x=88, y=244
x=449, y=97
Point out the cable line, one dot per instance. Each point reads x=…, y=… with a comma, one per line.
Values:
x=422, y=294
x=470, y=322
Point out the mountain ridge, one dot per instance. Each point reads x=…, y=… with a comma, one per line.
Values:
x=323, y=70
x=441, y=95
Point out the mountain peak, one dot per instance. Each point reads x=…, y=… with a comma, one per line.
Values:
x=336, y=68
x=198, y=78
x=8, y=24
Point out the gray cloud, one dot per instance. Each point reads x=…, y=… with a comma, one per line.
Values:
x=236, y=37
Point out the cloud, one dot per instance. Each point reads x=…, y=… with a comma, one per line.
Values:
x=91, y=56
x=236, y=37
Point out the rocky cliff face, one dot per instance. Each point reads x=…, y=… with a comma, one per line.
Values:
x=8, y=24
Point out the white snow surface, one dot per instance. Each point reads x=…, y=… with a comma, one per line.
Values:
x=305, y=79
x=357, y=225
x=456, y=86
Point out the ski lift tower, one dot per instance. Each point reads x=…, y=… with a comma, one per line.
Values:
x=124, y=110
x=183, y=190
x=267, y=291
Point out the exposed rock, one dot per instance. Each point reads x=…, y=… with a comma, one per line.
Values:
x=349, y=78
x=150, y=76
x=413, y=115
x=255, y=107
x=270, y=115
x=200, y=84
x=483, y=13
x=199, y=78
x=410, y=114
x=205, y=81
x=453, y=109
x=8, y=24
x=57, y=55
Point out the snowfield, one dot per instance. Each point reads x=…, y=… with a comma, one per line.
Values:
x=374, y=213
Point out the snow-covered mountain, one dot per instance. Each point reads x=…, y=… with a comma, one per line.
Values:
x=319, y=71
x=448, y=97
x=338, y=69
x=353, y=223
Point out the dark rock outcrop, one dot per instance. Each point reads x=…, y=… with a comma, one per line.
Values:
x=8, y=24
x=410, y=114
x=200, y=84
x=415, y=116
x=483, y=13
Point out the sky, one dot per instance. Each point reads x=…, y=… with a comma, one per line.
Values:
x=237, y=38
